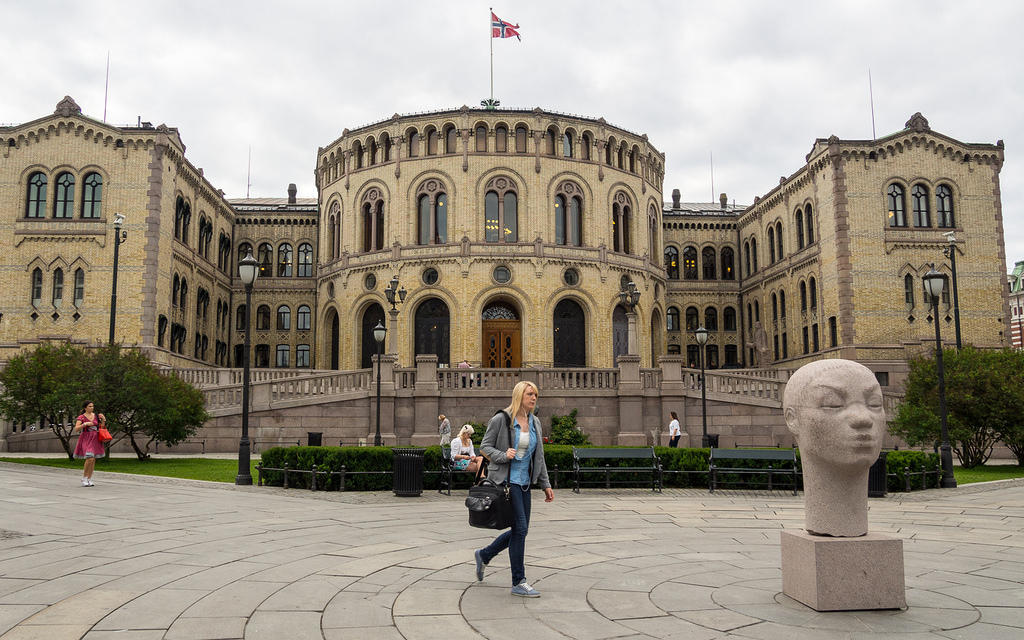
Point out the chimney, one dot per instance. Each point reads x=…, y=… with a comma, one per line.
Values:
x=292, y=190
x=675, y=198
x=724, y=200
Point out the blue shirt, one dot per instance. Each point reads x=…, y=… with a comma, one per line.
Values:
x=519, y=470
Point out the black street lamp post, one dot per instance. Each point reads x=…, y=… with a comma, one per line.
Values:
x=701, y=335
x=950, y=252
x=378, y=334
x=119, y=237
x=395, y=297
x=248, y=270
x=933, y=284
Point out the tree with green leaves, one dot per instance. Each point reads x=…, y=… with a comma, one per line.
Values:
x=139, y=402
x=565, y=430
x=984, y=399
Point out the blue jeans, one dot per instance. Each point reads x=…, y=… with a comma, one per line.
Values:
x=515, y=538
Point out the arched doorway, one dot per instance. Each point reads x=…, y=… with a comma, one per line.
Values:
x=432, y=324
x=333, y=346
x=502, y=336
x=373, y=314
x=620, y=334
x=570, y=335
x=656, y=338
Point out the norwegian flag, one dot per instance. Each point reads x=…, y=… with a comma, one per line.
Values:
x=502, y=29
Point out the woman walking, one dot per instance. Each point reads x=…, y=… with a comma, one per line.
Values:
x=444, y=429
x=674, y=432
x=89, y=446
x=514, y=444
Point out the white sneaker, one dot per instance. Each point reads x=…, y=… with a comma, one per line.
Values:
x=90, y=482
x=85, y=482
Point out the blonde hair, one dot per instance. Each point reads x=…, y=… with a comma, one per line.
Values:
x=440, y=417
x=517, y=397
x=466, y=430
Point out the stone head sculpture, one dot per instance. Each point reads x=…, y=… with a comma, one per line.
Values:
x=834, y=409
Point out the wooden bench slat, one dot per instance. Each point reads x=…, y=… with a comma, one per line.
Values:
x=771, y=455
x=593, y=454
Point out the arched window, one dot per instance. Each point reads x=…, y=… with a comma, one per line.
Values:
x=451, y=139
x=711, y=319
x=753, y=253
x=908, y=289
x=433, y=137
x=778, y=239
x=372, y=148
x=549, y=141
x=809, y=219
x=305, y=260
x=240, y=317
x=692, y=318
x=520, y=139
x=432, y=324
x=175, y=290
x=385, y=143
x=897, y=206
x=303, y=318
x=373, y=220
x=161, y=330
x=481, y=138
x=771, y=244
x=37, y=286
x=919, y=205
x=284, y=318
x=64, y=204
x=782, y=304
x=652, y=232
x=709, y=263
x=672, y=263
x=944, y=206
x=331, y=237
x=263, y=318
x=567, y=144
x=35, y=202
x=569, y=335
x=568, y=214
x=244, y=249
x=728, y=264
x=812, y=286
x=746, y=258
x=501, y=138
x=58, y=287
x=182, y=219
x=586, y=142
x=672, y=319
x=414, y=143
x=689, y=263
x=775, y=308
x=632, y=160
x=79, y=287
x=621, y=156
x=265, y=257
x=621, y=223
x=799, y=229
x=501, y=211
x=432, y=221
x=729, y=319
x=357, y=154
x=183, y=295
x=92, y=195
x=284, y=260
x=803, y=296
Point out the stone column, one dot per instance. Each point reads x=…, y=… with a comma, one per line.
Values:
x=425, y=402
x=632, y=337
x=631, y=403
x=393, y=333
x=673, y=395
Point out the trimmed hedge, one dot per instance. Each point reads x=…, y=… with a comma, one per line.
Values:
x=369, y=468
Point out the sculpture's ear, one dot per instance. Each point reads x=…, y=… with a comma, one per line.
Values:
x=791, y=421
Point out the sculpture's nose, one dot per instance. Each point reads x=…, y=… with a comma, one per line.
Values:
x=861, y=417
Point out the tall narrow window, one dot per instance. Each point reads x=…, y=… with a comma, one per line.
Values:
x=481, y=138
x=284, y=318
x=812, y=286
x=501, y=138
x=175, y=290
x=432, y=213
x=424, y=219
x=753, y=253
x=729, y=319
x=284, y=260
x=302, y=356
x=689, y=263
x=520, y=139
x=897, y=206
x=585, y=144
x=771, y=245
x=385, y=143
x=711, y=319
x=567, y=144
x=491, y=222
x=305, y=260
x=244, y=249
x=510, y=218
x=451, y=139
x=266, y=260
x=621, y=223
x=183, y=296
x=263, y=318
x=908, y=290
x=809, y=219
x=746, y=258
x=708, y=263
x=501, y=211
x=357, y=154
x=799, y=229
x=833, y=332
x=303, y=318
x=35, y=202
x=778, y=239
x=803, y=296
x=372, y=151
x=692, y=318
x=414, y=143
x=92, y=195
x=782, y=304
x=575, y=221
x=282, y=352
x=728, y=264
x=372, y=207
x=433, y=137
x=79, y=287
x=672, y=262
x=672, y=319
x=944, y=206
x=240, y=318
x=37, y=286
x=560, y=215
x=58, y=287
x=64, y=205
x=549, y=141
x=919, y=205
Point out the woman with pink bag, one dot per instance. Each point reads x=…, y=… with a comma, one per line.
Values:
x=89, y=446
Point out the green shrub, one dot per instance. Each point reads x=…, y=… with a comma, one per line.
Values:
x=913, y=461
x=564, y=430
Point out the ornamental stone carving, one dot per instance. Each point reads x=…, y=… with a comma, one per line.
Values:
x=68, y=107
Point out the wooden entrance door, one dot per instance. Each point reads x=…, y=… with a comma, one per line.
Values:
x=501, y=343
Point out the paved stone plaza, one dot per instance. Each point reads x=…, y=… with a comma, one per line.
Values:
x=140, y=558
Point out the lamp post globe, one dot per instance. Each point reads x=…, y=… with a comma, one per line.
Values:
x=934, y=283
x=247, y=272
x=379, y=332
x=701, y=335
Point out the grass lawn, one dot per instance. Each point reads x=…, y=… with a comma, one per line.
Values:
x=984, y=474
x=216, y=470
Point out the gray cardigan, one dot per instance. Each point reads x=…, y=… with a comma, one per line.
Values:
x=496, y=442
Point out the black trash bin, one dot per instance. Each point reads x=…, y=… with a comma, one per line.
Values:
x=712, y=440
x=314, y=438
x=876, y=477
x=408, y=472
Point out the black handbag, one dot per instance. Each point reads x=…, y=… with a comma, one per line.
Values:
x=489, y=506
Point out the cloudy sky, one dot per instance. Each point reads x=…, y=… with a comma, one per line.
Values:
x=753, y=83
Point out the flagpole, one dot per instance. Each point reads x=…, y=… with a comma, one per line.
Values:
x=490, y=36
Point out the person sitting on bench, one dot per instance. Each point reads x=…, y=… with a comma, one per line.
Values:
x=464, y=457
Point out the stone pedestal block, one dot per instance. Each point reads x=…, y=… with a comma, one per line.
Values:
x=843, y=574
